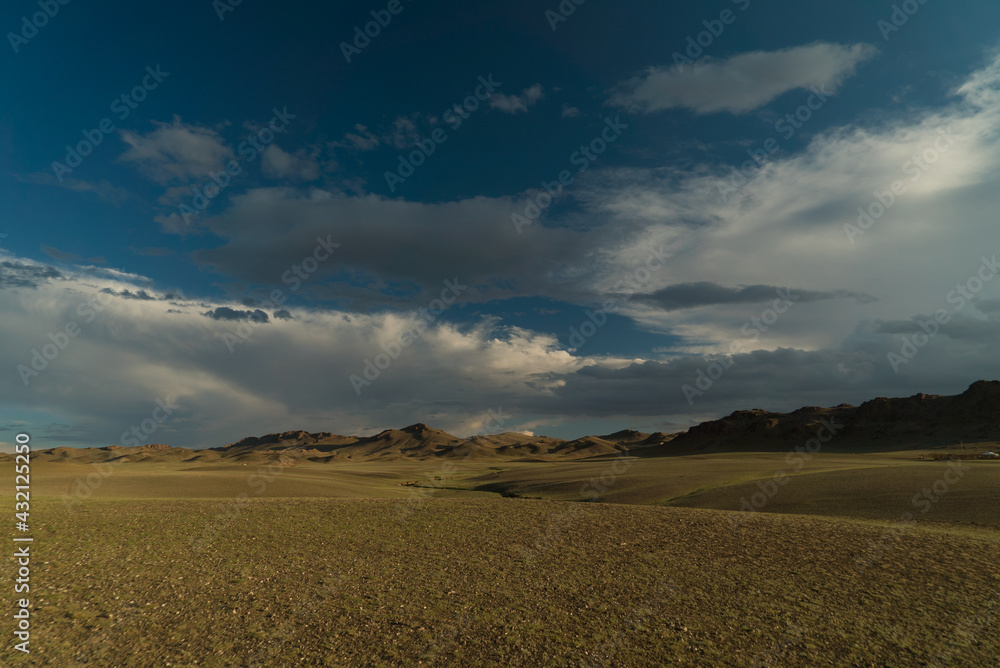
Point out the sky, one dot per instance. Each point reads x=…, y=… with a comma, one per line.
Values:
x=224, y=219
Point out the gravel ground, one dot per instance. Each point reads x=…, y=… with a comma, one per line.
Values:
x=497, y=582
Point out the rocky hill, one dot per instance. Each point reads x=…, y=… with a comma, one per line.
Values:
x=921, y=421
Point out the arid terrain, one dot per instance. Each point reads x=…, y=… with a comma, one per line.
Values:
x=512, y=334
x=747, y=541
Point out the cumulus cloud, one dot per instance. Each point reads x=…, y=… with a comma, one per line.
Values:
x=730, y=238
x=297, y=369
x=729, y=245
x=361, y=139
x=404, y=132
x=788, y=222
x=175, y=151
x=279, y=164
x=512, y=104
x=743, y=82
x=289, y=371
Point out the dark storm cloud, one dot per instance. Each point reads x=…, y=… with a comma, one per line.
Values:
x=958, y=327
x=141, y=295
x=392, y=243
x=988, y=305
x=704, y=293
x=226, y=313
x=782, y=379
x=20, y=275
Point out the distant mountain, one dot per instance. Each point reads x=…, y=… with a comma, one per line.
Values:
x=920, y=421
x=419, y=441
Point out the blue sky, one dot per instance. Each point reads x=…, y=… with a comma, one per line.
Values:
x=661, y=246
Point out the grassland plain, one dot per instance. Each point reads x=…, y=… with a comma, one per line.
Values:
x=159, y=565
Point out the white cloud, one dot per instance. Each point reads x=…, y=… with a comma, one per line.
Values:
x=176, y=151
x=287, y=372
x=361, y=139
x=404, y=132
x=279, y=164
x=512, y=104
x=785, y=224
x=570, y=112
x=744, y=82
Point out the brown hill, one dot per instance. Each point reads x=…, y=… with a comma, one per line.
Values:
x=920, y=421
x=420, y=441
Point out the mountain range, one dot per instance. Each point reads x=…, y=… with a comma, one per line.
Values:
x=917, y=422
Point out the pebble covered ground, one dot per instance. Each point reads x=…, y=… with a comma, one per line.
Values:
x=498, y=582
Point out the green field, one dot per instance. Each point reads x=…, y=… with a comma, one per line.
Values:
x=503, y=564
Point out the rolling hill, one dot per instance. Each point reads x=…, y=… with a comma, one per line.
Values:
x=918, y=422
